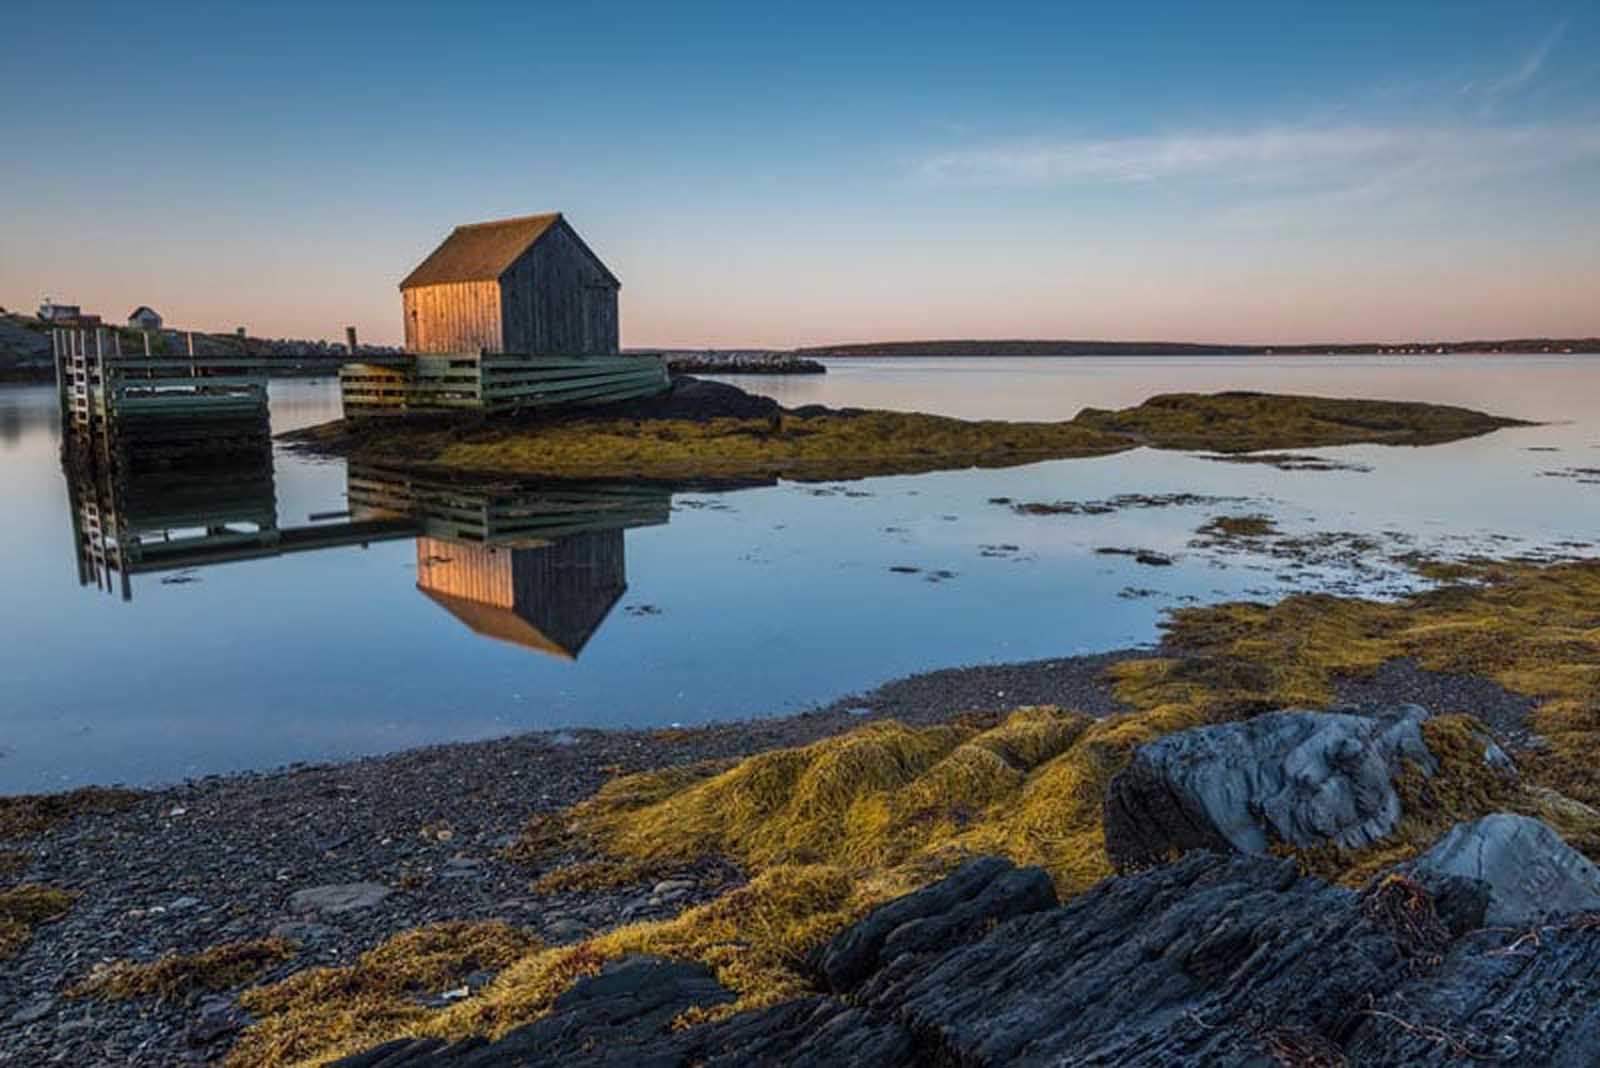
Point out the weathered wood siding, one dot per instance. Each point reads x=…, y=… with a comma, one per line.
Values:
x=556, y=300
x=472, y=572
x=453, y=317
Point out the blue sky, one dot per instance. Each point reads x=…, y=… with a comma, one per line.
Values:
x=798, y=173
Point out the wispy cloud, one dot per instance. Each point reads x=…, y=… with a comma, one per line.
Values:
x=1280, y=156
x=1526, y=70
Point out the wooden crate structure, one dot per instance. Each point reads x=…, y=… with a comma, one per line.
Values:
x=496, y=383
x=157, y=410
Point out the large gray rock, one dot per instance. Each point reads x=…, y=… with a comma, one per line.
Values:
x=1303, y=778
x=1530, y=871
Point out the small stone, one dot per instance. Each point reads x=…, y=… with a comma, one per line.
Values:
x=336, y=898
x=673, y=886
x=33, y=1011
x=304, y=931
x=564, y=930
x=185, y=902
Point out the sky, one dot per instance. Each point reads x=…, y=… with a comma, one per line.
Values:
x=791, y=174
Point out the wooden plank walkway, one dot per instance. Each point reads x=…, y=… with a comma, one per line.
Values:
x=496, y=382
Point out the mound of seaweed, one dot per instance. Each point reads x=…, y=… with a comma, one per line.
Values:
x=1209, y=960
x=1241, y=421
x=701, y=429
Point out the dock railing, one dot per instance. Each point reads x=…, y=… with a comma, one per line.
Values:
x=496, y=382
x=175, y=405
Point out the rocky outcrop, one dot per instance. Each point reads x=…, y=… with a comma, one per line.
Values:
x=1213, y=959
x=1302, y=778
x=1528, y=871
x=950, y=912
x=1502, y=996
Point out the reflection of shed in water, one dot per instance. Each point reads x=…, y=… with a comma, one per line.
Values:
x=540, y=566
x=551, y=598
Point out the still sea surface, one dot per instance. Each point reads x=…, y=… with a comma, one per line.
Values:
x=745, y=603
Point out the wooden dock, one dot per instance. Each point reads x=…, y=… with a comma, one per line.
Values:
x=149, y=410
x=495, y=383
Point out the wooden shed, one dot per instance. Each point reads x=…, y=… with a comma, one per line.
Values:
x=528, y=286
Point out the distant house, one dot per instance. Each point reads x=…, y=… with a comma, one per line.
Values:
x=527, y=286
x=52, y=312
x=144, y=317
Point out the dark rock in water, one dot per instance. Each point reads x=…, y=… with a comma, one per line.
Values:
x=1215, y=959
x=952, y=911
x=1304, y=778
x=1529, y=871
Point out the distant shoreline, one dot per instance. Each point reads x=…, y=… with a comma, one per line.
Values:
x=804, y=360
x=1019, y=347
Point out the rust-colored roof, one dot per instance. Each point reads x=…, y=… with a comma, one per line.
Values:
x=480, y=252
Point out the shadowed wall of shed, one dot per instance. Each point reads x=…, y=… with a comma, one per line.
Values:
x=556, y=299
x=453, y=317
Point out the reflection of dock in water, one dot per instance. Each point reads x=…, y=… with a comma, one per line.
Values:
x=539, y=566
x=142, y=521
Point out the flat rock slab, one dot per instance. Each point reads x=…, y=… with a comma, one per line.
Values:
x=1531, y=873
x=1305, y=778
x=335, y=898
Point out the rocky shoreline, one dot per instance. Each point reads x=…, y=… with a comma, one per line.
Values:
x=423, y=832
x=739, y=362
x=339, y=858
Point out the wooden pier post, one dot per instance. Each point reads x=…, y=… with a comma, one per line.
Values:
x=350, y=340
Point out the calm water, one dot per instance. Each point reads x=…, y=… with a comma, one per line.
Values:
x=746, y=603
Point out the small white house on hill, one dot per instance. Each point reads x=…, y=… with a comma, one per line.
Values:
x=51, y=312
x=144, y=317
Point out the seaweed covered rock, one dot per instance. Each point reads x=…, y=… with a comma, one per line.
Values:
x=1530, y=873
x=631, y=1001
x=1301, y=778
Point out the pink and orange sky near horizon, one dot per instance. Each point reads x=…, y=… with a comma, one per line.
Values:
x=1258, y=173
